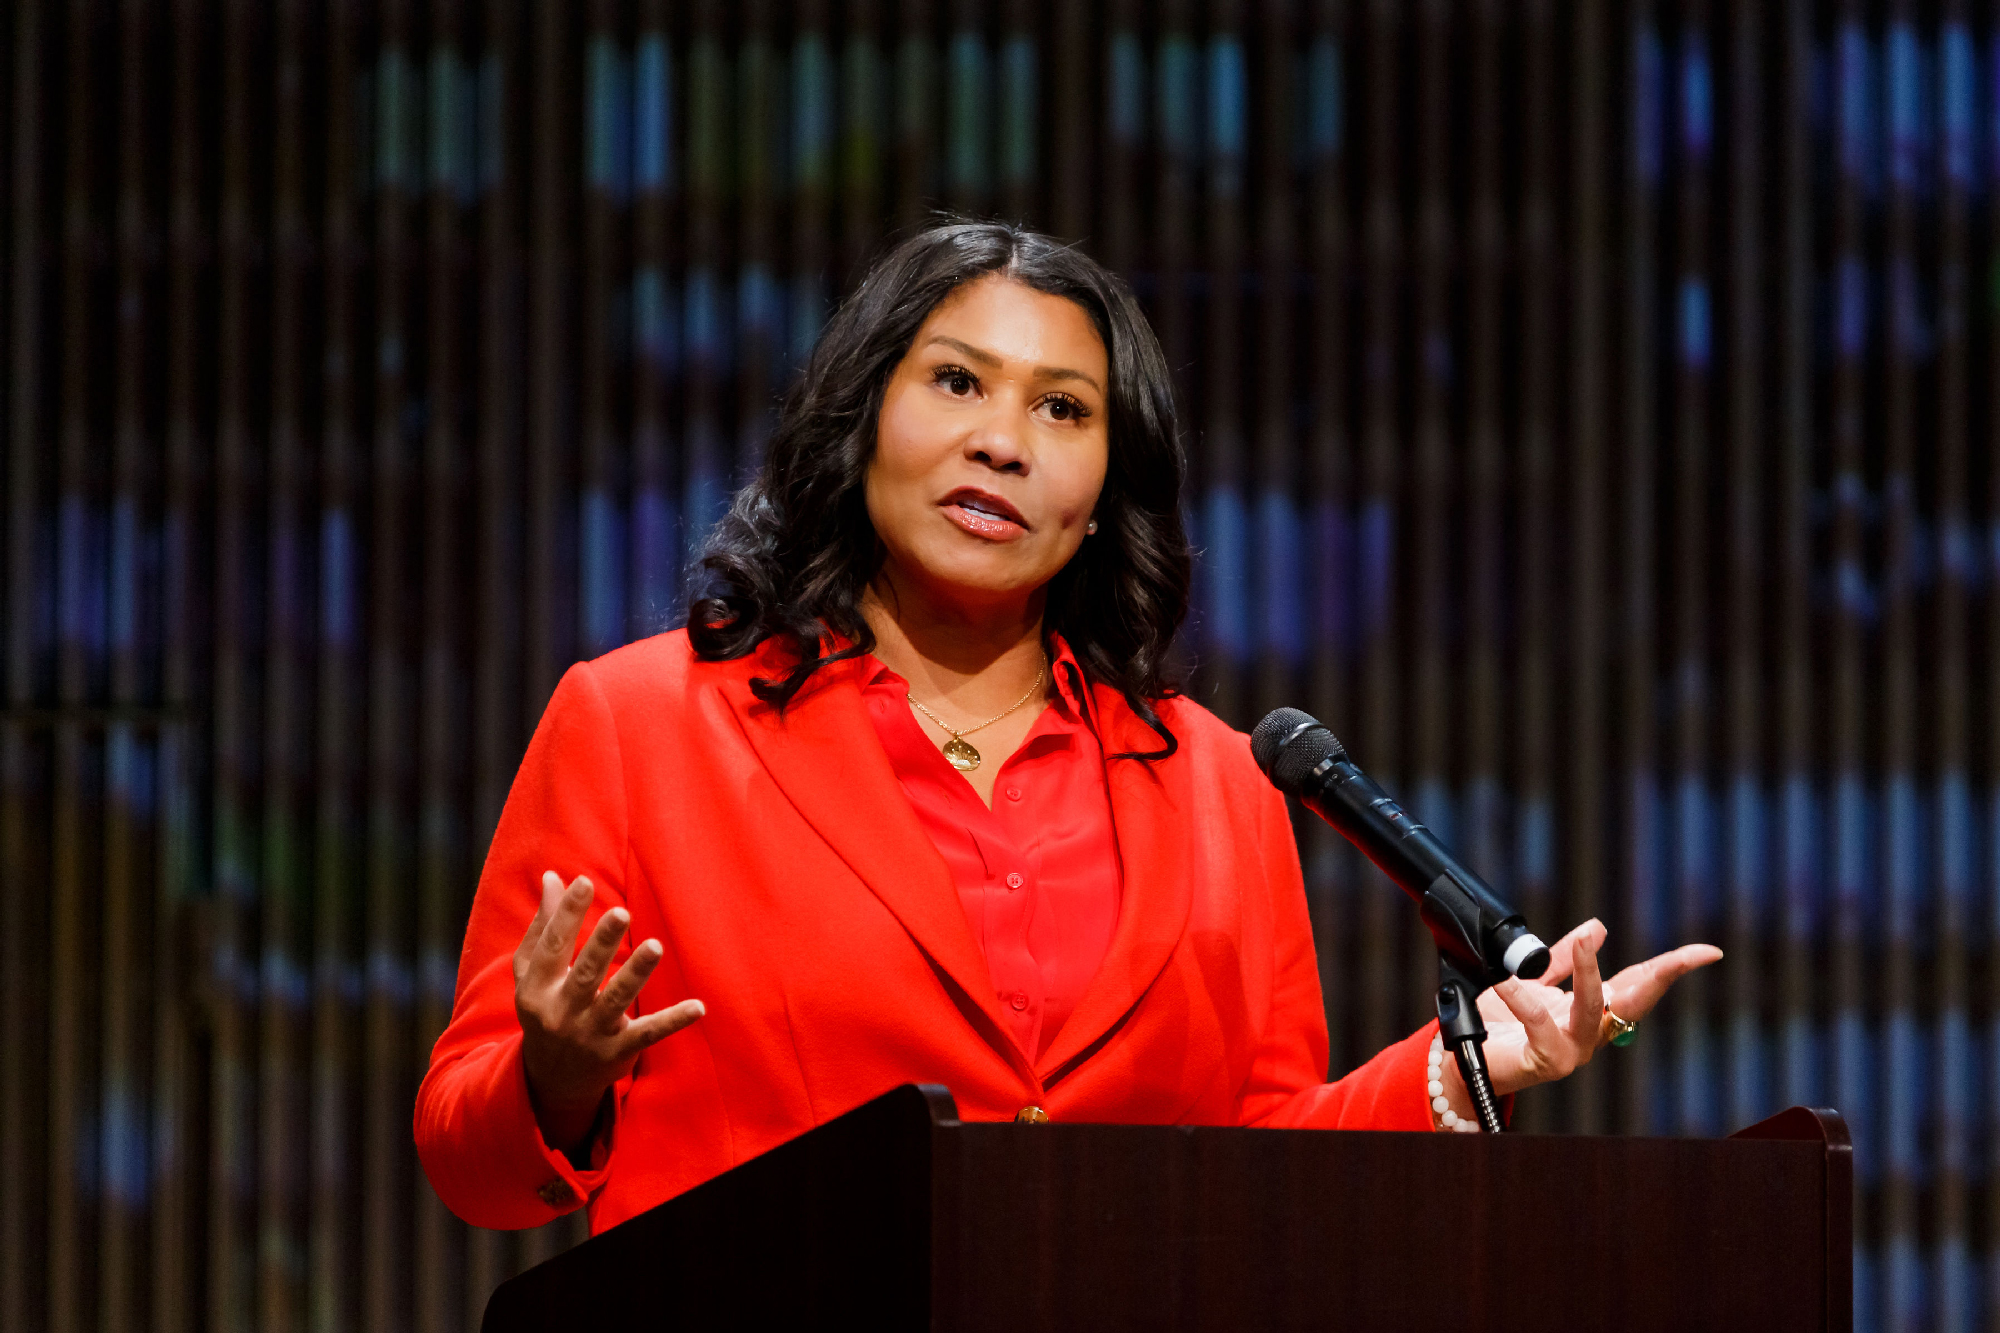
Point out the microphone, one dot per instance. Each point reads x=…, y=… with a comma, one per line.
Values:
x=1472, y=925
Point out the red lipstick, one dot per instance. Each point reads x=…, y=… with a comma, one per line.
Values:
x=984, y=514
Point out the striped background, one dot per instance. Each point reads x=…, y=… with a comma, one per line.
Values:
x=1593, y=412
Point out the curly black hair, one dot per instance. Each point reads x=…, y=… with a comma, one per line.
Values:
x=796, y=550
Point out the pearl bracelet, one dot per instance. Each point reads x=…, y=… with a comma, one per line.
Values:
x=1442, y=1116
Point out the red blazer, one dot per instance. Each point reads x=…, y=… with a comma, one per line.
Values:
x=782, y=867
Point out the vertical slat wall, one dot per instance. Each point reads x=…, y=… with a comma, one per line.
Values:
x=1591, y=410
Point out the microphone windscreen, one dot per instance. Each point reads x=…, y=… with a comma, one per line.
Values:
x=1288, y=745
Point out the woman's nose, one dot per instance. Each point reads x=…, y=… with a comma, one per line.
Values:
x=997, y=441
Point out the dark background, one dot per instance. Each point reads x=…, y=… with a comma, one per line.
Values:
x=1592, y=414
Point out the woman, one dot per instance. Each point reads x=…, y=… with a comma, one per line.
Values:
x=913, y=799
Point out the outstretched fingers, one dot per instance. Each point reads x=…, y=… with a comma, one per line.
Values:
x=1562, y=954
x=1538, y=1022
x=586, y=974
x=623, y=988
x=558, y=938
x=1586, y=1006
x=1639, y=987
x=659, y=1025
x=525, y=952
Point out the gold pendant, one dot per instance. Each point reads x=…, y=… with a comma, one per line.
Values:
x=963, y=757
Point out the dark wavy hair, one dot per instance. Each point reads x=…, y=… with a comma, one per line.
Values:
x=796, y=550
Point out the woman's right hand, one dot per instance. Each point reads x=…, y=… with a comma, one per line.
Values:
x=577, y=1040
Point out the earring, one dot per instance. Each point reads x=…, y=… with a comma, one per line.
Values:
x=1090, y=528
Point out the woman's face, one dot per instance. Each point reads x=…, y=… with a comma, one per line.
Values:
x=991, y=447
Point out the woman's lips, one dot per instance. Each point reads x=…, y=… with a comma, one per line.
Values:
x=984, y=515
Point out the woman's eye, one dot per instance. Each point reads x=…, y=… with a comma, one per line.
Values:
x=1066, y=409
x=959, y=382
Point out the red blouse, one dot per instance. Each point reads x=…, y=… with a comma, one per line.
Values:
x=1038, y=872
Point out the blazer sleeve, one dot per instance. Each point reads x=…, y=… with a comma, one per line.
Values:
x=1287, y=1088
x=475, y=1125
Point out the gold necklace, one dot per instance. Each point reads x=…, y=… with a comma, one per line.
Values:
x=958, y=750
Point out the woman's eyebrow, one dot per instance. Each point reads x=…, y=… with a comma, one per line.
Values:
x=978, y=354
x=1060, y=373
x=987, y=358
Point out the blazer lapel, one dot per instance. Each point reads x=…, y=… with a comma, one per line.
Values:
x=824, y=755
x=1153, y=821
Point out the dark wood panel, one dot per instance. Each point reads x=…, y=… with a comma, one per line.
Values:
x=836, y=1221
x=1103, y=1227
x=883, y=1213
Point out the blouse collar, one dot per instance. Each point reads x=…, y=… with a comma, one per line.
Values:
x=1072, y=690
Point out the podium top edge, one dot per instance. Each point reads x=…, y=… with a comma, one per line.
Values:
x=1821, y=1124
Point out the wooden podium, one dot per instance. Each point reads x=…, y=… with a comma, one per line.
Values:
x=899, y=1216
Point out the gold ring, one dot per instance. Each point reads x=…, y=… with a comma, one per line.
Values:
x=1622, y=1033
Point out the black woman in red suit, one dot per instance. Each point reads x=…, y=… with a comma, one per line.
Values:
x=913, y=798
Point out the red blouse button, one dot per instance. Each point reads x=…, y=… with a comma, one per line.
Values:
x=1014, y=880
x=1019, y=999
x=1013, y=793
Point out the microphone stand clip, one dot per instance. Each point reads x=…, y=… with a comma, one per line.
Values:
x=1464, y=1034
x=1457, y=926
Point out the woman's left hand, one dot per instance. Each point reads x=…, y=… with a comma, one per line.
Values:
x=1538, y=1033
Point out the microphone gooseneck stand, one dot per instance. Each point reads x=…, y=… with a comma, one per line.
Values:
x=1464, y=1034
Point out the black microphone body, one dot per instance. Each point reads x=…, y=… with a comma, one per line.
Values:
x=1472, y=925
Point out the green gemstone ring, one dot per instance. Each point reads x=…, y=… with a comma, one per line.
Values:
x=1622, y=1033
